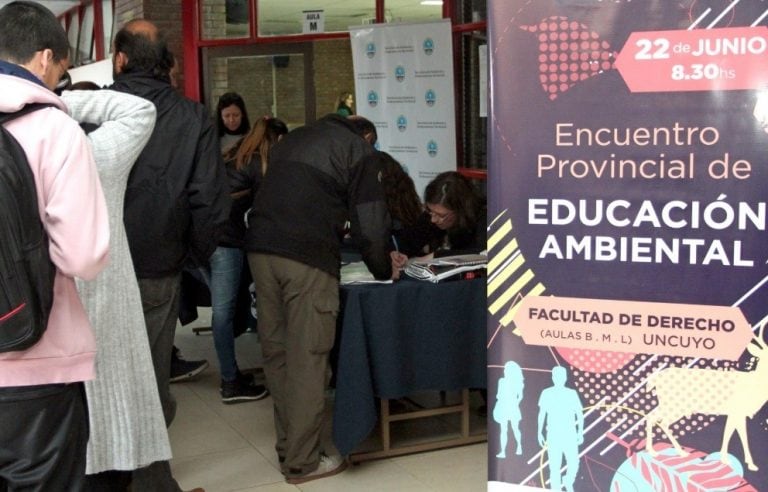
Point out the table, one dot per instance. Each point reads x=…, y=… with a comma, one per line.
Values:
x=401, y=338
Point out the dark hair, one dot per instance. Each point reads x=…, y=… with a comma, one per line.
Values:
x=399, y=191
x=456, y=193
x=225, y=101
x=28, y=27
x=264, y=134
x=84, y=85
x=146, y=53
x=363, y=126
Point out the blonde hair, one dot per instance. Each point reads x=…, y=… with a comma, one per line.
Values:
x=265, y=133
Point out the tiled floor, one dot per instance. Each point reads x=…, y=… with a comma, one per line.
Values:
x=230, y=447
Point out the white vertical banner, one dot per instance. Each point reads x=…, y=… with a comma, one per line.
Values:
x=404, y=85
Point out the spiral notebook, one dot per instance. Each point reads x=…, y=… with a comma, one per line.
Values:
x=437, y=269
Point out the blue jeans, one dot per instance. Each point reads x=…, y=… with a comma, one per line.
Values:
x=224, y=282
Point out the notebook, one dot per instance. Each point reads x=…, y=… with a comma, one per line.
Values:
x=437, y=269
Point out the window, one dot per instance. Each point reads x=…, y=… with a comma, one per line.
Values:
x=222, y=19
x=413, y=10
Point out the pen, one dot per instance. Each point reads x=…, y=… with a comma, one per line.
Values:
x=394, y=241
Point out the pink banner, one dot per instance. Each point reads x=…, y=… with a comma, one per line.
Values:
x=696, y=60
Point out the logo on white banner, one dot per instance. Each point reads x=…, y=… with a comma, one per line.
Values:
x=429, y=46
x=432, y=148
x=400, y=73
x=430, y=97
x=370, y=50
x=373, y=99
x=402, y=123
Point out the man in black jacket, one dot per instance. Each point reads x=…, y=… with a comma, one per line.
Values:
x=317, y=179
x=176, y=202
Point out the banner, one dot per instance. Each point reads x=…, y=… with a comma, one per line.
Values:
x=627, y=287
x=404, y=85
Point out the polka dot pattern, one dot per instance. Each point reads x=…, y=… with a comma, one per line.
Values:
x=568, y=53
x=599, y=361
x=626, y=388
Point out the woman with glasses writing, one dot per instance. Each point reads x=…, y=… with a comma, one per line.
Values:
x=456, y=208
x=453, y=221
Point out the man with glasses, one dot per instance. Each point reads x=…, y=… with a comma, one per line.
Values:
x=43, y=415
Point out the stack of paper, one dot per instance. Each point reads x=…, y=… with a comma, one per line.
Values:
x=357, y=273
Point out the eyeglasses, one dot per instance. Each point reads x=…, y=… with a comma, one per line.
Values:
x=438, y=217
x=65, y=81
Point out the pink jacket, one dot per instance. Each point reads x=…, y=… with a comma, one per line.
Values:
x=74, y=214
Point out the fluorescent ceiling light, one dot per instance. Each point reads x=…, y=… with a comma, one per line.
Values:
x=431, y=2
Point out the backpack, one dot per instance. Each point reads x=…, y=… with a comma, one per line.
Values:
x=26, y=270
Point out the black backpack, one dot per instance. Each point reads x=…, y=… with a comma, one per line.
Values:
x=26, y=270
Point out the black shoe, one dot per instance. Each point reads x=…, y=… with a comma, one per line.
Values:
x=246, y=379
x=182, y=370
x=237, y=392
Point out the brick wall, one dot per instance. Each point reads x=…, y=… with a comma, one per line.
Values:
x=251, y=77
x=126, y=10
x=333, y=73
x=254, y=78
x=213, y=15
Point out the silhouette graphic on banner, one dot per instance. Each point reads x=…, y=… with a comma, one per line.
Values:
x=507, y=409
x=560, y=414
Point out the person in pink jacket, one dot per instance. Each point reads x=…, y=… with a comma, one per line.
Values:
x=43, y=418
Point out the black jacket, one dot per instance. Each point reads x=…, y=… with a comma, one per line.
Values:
x=177, y=199
x=243, y=183
x=418, y=239
x=318, y=179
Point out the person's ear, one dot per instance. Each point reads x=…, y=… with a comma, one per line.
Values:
x=120, y=60
x=46, y=59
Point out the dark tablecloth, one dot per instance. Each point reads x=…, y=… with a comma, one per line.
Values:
x=402, y=338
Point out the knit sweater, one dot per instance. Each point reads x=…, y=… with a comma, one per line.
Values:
x=127, y=428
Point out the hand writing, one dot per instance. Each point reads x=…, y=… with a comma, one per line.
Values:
x=398, y=260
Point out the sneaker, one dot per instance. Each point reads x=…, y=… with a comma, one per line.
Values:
x=237, y=392
x=247, y=379
x=328, y=466
x=182, y=370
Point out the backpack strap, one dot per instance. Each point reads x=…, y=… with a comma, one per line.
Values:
x=26, y=109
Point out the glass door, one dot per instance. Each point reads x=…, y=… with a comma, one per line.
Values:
x=273, y=79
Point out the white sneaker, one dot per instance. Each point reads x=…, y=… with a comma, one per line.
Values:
x=328, y=466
